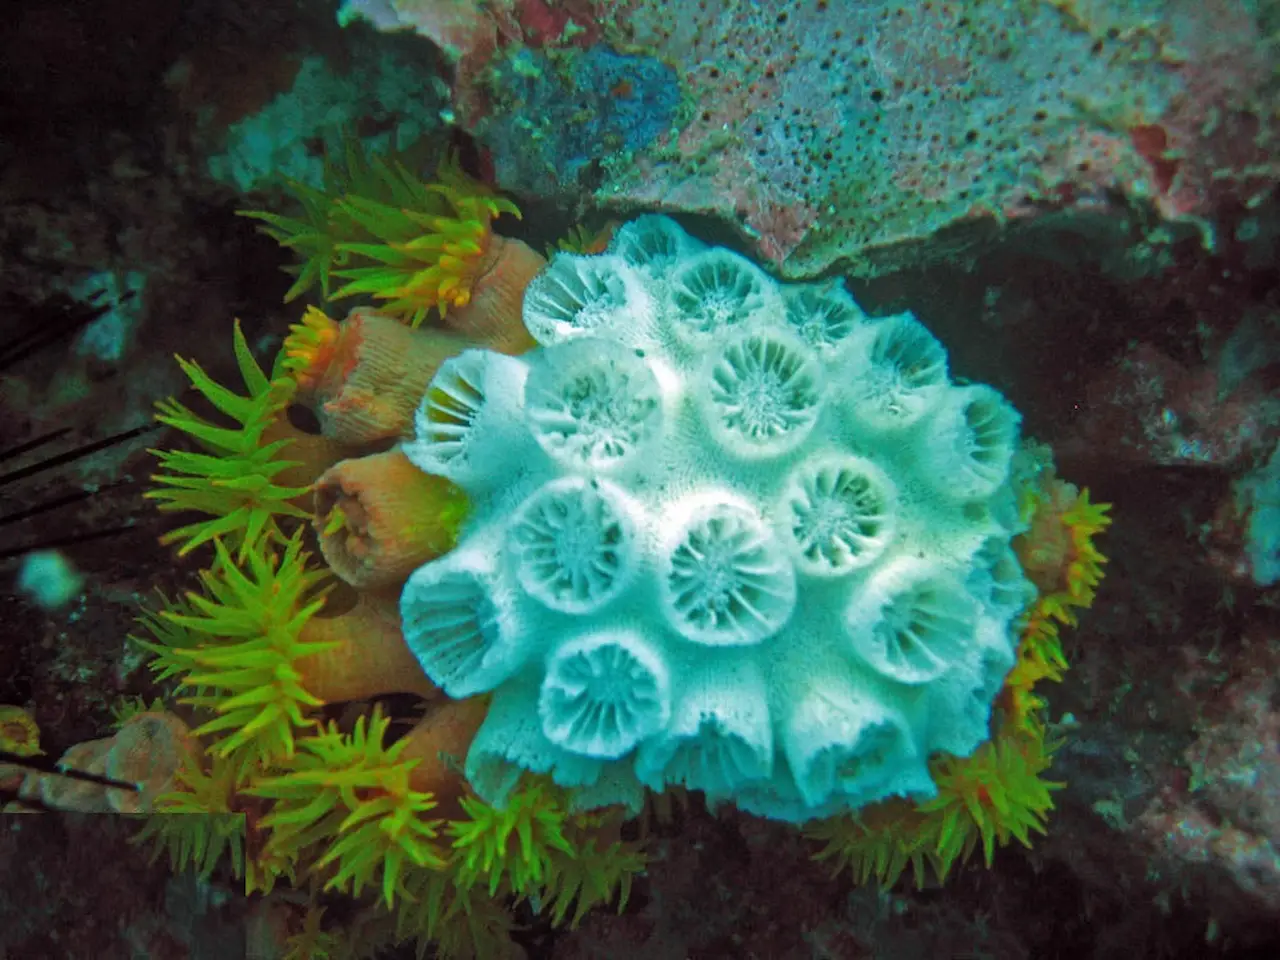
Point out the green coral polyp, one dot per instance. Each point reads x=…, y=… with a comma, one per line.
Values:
x=415, y=245
x=235, y=481
x=236, y=647
x=196, y=824
x=989, y=798
x=535, y=846
x=353, y=792
x=515, y=843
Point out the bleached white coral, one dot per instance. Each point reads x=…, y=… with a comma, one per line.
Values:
x=896, y=372
x=724, y=579
x=593, y=404
x=604, y=693
x=837, y=514
x=970, y=443
x=577, y=296
x=725, y=534
x=762, y=393
x=823, y=314
x=716, y=291
x=573, y=544
x=912, y=621
x=459, y=621
x=653, y=242
x=468, y=422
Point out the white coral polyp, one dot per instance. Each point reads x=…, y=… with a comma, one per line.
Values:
x=457, y=621
x=716, y=291
x=725, y=579
x=822, y=314
x=653, y=242
x=841, y=741
x=970, y=442
x=593, y=404
x=604, y=693
x=837, y=514
x=573, y=544
x=469, y=419
x=762, y=393
x=912, y=622
x=897, y=372
x=997, y=580
x=720, y=737
x=724, y=534
x=579, y=296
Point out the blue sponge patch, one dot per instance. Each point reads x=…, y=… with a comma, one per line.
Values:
x=556, y=117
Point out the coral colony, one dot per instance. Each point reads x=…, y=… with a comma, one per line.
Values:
x=636, y=521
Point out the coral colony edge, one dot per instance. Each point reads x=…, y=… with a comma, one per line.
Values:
x=632, y=522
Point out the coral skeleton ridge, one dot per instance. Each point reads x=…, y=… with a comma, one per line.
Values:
x=724, y=533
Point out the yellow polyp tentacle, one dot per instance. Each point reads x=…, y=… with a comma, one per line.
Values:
x=309, y=346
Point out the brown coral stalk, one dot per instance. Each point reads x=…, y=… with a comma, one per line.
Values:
x=494, y=316
x=311, y=453
x=369, y=656
x=379, y=518
x=440, y=742
x=367, y=382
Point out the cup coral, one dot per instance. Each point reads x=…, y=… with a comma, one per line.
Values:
x=725, y=534
x=379, y=518
x=364, y=376
x=416, y=246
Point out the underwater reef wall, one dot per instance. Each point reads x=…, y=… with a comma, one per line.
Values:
x=1113, y=271
x=849, y=135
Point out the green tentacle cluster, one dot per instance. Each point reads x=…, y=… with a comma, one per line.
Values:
x=414, y=244
x=348, y=797
x=236, y=647
x=234, y=481
x=197, y=824
x=514, y=845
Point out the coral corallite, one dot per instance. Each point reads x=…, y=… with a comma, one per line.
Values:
x=723, y=533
